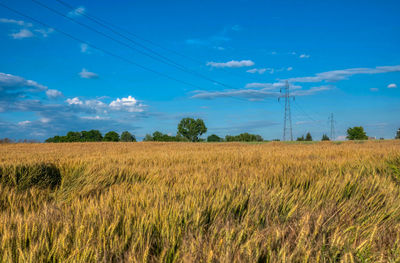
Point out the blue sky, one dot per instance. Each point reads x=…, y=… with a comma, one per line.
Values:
x=222, y=61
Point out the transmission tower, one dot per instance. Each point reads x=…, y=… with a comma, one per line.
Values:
x=332, y=123
x=287, y=122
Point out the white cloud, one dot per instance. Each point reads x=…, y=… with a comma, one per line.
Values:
x=129, y=104
x=45, y=120
x=264, y=90
x=97, y=117
x=11, y=81
x=265, y=85
x=257, y=70
x=304, y=56
x=15, y=22
x=336, y=75
x=392, y=86
x=53, y=93
x=374, y=89
x=77, y=12
x=74, y=101
x=231, y=64
x=23, y=33
x=87, y=74
x=45, y=32
x=289, y=69
x=23, y=123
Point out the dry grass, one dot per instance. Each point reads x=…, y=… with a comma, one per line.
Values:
x=185, y=202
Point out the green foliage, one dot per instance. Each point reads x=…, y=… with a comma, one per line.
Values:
x=161, y=137
x=83, y=136
x=244, y=137
x=356, y=133
x=308, y=137
x=148, y=138
x=91, y=136
x=325, y=138
x=398, y=134
x=300, y=139
x=214, y=138
x=111, y=136
x=127, y=137
x=191, y=128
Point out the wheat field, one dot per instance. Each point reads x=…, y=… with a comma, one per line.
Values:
x=200, y=202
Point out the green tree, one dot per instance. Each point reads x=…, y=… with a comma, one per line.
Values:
x=356, y=133
x=308, y=137
x=73, y=136
x=127, y=137
x=325, y=138
x=300, y=139
x=191, y=128
x=148, y=138
x=214, y=138
x=111, y=136
x=398, y=134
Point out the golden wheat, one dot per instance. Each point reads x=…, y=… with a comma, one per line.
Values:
x=186, y=202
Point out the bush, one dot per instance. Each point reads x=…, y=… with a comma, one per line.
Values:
x=214, y=138
x=244, y=137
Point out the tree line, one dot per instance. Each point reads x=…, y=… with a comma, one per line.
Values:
x=188, y=130
x=93, y=136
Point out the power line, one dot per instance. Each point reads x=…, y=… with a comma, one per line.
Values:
x=156, y=55
x=113, y=28
x=98, y=48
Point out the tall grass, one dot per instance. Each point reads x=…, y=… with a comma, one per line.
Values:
x=185, y=202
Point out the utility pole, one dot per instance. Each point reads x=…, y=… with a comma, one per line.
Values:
x=287, y=122
x=332, y=123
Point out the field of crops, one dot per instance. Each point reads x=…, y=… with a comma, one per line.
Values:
x=200, y=202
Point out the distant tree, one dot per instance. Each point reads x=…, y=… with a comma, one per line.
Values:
x=214, y=138
x=325, y=138
x=73, y=136
x=191, y=128
x=356, y=133
x=398, y=134
x=6, y=140
x=148, y=138
x=300, y=139
x=308, y=137
x=91, y=136
x=244, y=137
x=111, y=136
x=127, y=137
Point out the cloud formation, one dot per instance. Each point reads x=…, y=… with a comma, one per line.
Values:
x=392, y=86
x=336, y=75
x=87, y=74
x=231, y=64
x=23, y=33
x=53, y=93
x=304, y=56
x=257, y=70
x=25, y=29
x=77, y=12
x=15, y=22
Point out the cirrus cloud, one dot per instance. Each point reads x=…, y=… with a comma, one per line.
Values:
x=231, y=64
